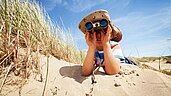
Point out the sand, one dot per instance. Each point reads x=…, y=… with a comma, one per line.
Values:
x=64, y=79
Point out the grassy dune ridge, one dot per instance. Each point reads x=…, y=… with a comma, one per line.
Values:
x=26, y=28
x=162, y=60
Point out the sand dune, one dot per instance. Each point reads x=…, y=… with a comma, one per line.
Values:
x=64, y=79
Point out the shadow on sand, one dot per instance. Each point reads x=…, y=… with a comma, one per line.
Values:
x=72, y=72
x=75, y=73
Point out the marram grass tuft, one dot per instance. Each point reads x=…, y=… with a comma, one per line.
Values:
x=26, y=29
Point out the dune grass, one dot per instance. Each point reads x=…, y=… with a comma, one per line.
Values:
x=26, y=28
x=141, y=63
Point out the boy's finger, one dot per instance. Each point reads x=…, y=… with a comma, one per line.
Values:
x=87, y=36
x=94, y=36
x=109, y=29
x=102, y=35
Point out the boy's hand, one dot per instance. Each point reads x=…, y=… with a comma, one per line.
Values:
x=90, y=39
x=105, y=38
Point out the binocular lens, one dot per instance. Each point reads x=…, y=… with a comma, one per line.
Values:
x=89, y=25
x=103, y=23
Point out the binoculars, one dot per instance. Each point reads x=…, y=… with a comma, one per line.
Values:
x=97, y=26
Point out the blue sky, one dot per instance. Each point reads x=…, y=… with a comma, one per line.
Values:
x=145, y=24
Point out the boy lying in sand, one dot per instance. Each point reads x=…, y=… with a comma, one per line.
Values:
x=102, y=38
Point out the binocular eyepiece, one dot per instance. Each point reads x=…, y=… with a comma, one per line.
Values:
x=97, y=26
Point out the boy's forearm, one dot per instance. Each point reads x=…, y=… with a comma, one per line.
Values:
x=88, y=62
x=112, y=64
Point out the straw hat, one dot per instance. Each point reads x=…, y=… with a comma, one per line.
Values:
x=99, y=15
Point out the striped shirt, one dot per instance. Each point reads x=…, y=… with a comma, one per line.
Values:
x=116, y=50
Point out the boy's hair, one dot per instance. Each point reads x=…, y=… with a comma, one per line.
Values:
x=99, y=15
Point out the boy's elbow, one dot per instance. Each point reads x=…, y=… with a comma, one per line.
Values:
x=113, y=72
x=85, y=73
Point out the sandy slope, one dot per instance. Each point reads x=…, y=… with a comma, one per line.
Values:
x=64, y=79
